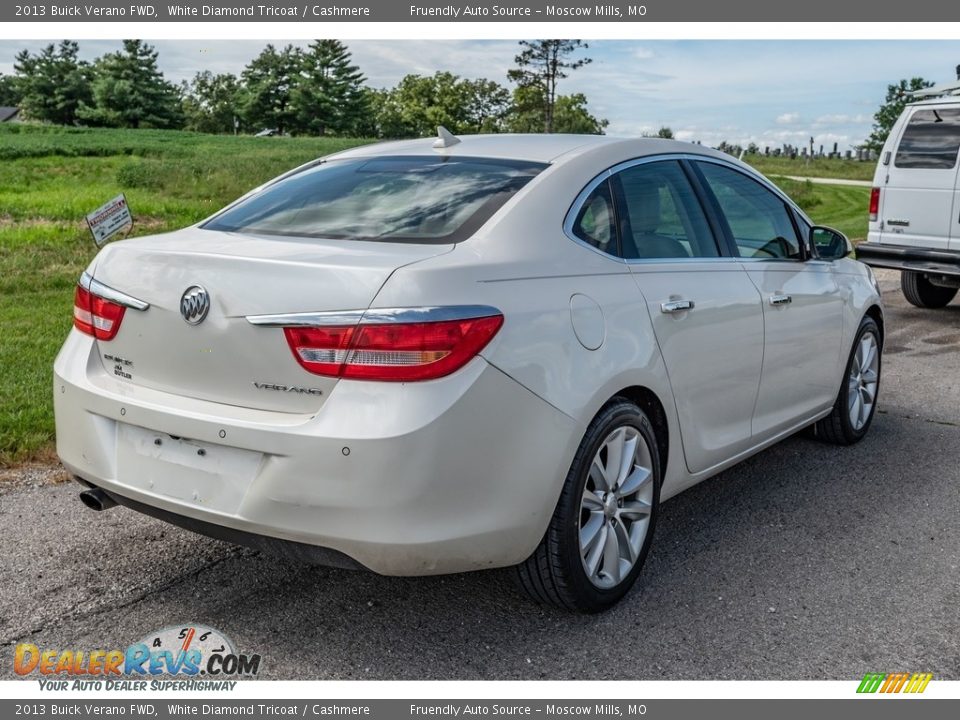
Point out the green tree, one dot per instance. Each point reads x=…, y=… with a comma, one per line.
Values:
x=487, y=105
x=9, y=92
x=210, y=102
x=892, y=106
x=419, y=103
x=130, y=91
x=52, y=84
x=328, y=96
x=570, y=113
x=428, y=101
x=541, y=65
x=268, y=82
x=664, y=133
x=384, y=119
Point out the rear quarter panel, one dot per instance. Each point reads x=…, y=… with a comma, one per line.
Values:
x=523, y=263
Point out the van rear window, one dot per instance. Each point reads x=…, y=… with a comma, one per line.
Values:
x=389, y=199
x=931, y=140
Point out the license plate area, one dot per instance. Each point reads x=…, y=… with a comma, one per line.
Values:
x=214, y=477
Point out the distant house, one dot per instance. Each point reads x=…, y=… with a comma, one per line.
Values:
x=9, y=114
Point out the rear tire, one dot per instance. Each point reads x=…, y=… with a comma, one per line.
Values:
x=856, y=403
x=922, y=293
x=601, y=530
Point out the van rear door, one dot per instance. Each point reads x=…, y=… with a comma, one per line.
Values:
x=920, y=205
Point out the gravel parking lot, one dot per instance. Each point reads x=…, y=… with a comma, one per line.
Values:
x=805, y=562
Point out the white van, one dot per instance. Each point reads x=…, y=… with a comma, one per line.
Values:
x=915, y=202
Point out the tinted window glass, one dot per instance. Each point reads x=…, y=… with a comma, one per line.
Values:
x=402, y=199
x=596, y=222
x=804, y=228
x=930, y=141
x=759, y=220
x=661, y=216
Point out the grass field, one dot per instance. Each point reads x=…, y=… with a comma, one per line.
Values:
x=843, y=207
x=53, y=176
x=819, y=168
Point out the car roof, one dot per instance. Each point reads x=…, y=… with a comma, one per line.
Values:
x=946, y=100
x=541, y=148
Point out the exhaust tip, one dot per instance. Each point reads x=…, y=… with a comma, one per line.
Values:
x=97, y=499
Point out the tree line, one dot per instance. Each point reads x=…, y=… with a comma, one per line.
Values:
x=317, y=90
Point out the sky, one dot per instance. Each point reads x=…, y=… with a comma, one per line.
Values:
x=767, y=92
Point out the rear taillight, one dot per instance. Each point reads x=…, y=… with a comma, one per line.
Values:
x=394, y=351
x=95, y=315
x=874, y=204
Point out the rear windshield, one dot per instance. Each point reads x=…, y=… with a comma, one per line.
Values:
x=398, y=199
x=931, y=140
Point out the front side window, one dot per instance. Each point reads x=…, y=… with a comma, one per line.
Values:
x=930, y=141
x=660, y=215
x=389, y=199
x=759, y=220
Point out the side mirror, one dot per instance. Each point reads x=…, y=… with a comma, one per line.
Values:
x=830, y=244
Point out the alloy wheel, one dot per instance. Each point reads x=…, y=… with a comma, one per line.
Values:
x=616, y=506
x=863, y=379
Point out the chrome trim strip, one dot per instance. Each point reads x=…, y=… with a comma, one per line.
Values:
x=342, y=317
x=374, y=316
x=574, y=210
x=683, y=260
x=108, y=293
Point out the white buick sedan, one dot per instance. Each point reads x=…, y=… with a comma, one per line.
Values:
x=435, y=356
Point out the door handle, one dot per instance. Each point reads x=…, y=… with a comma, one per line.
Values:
x=676, y=306
x=780, y=299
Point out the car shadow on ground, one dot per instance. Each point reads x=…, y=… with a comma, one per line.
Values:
x=769, y=570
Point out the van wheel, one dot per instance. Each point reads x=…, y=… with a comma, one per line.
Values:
x=919, y=291
x=601, y=530
x=856, y=402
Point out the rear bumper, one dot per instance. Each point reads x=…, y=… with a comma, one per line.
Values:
x=457, y=474
x=913, y=259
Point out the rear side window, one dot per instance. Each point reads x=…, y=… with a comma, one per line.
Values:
x=391, y=199
x=931, y=140
x=596, y=221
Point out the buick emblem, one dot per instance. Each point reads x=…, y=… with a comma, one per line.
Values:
x=194, y=304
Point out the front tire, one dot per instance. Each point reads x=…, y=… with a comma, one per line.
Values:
x=922, y=293
x=856, y=403
x=601, y=530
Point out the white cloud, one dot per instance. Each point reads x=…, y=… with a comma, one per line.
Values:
x=790, y=118
x=843, y=119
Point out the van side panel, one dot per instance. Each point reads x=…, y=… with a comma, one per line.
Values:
x=955, y=215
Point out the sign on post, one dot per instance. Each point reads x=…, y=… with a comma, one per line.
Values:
x=109, y=219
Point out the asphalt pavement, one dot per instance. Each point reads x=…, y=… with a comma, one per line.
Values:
x=805, y=562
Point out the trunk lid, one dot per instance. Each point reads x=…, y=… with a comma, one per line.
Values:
x=224, y=358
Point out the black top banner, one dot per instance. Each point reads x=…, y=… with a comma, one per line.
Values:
x=481, y=11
